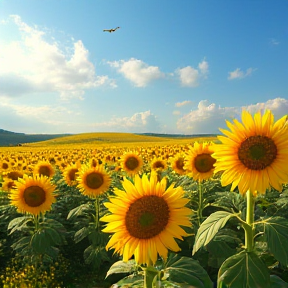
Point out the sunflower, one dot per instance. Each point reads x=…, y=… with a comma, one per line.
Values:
x=93, y=181
x=177, y=164
x=33, y=194
x=131, y=163
x=199, y=161
x=70, y=173
x=145, y=219
x=254, y=154
x=158, y=164
x=44, y=168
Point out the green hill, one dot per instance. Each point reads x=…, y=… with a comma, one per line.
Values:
x=8, y=138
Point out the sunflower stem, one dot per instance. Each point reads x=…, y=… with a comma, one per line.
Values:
x=149, y=275
x=249, y=228
x=200, y=202
x=97, y=212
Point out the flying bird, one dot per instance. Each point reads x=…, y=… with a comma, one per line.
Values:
x=111, y=30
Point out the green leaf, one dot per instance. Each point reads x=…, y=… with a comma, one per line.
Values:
x=18, y=223
x=40, y=242
x=122, y=267
x=219, y=251
x=277, y=282
x=209, y=228
x=135, y=280
x=81, y=234
x=78, y=211
x=244, y=269
x=276, y=232
x=22, y=243
x=186, y=270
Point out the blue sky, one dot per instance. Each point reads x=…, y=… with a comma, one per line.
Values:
x=172, y=67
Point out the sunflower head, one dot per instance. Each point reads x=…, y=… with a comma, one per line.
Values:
x=93, y=181
x=70, y=173
x=253, y=155
x=145, y=218
x=199, y=162
x=131, y=163
x=33, y=194
x=44, y=168
x=158, y=164
x=177, y=164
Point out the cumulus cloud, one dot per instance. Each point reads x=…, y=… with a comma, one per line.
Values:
x=137, y=71
x=190, y=76
x=183, y=103
x=36, y=119
x=141, y=122
x=239, y=74
x=34, y=64
x=208, y=118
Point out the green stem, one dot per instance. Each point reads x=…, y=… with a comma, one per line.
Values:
x=200, y=202
x=149, y=275
x=97, y=212
x=249, y=228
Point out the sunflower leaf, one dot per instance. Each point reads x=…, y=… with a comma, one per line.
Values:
x=277, y=282
x=209, y=228
x=244, y=269
x=276, y=232
x=186, y=270
x=19, y=223
x=122, y=267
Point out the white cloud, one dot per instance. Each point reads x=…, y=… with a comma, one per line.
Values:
x=139, y=123
x=190, y=76
x=137, y=71
x=176, y=112
x=33, y=64
x=239, y=74
x=208, y=118
x=183, y=103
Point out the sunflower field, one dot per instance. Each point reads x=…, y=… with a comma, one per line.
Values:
x=139, y=211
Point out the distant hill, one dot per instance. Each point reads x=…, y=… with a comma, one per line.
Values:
x=178, y=135
x=8, y=138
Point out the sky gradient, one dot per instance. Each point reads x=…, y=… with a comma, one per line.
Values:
x=173, y=66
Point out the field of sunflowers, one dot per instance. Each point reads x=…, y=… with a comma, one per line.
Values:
x=137, y=211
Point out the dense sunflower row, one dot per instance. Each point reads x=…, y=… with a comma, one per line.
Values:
x=146, y=215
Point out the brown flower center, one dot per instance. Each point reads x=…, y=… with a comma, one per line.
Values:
x=179, y=163
x=257, y=152
x=132, y=163
x=34, y=196
x=147, y=217
x=44, y=170
x=158, y=164
x=72, y=174
x=94, y=180
x=14, y=175
x=5, y=166
x=204, y=162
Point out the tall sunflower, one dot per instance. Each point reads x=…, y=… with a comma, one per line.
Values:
x=93, y=181
x=254, y=155
x=131, y=163
x=145, y=219
x=33, y=194
x=158, y=164
x=199, y=161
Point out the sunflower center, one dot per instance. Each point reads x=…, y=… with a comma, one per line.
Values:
x=204, y=162
x=180, y=163
x=5, y=166
x=147, y=217
x=132, y=163
x=94, y=180
x=14, y=175
x=34, y=196
x=158, y=164
x=257, y=152
x=44, y=170
x=72, y=174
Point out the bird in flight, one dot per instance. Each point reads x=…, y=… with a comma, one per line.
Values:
x=111, y=30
